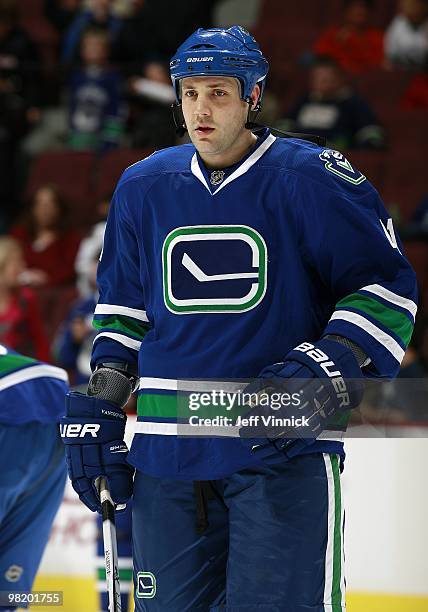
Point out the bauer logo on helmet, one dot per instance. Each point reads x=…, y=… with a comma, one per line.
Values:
x=200, y=59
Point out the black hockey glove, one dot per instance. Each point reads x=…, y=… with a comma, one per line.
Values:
x=92, y=430
x=314, y=383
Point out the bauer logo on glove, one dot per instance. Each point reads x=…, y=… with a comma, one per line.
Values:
x=328, y=380
x=76, y=430
x=327, y=365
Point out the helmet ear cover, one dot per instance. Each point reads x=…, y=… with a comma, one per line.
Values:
x=178, y=117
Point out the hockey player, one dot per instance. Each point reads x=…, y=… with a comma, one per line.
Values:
x=221, y=257
x=33, y=471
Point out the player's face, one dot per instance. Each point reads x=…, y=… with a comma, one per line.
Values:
x=215, y=118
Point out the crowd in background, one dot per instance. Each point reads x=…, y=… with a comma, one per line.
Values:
x=91, y=77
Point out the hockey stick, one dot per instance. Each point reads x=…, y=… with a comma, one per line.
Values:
x=110, y=546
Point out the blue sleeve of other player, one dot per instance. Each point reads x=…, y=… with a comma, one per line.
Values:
x=30, y=390
x=348, y=237
x=120, y=317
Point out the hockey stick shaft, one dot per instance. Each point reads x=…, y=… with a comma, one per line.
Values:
x=110, y=546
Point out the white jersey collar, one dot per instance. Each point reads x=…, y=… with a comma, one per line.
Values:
x=240, y=170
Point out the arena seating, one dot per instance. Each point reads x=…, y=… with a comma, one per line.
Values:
x=111, y=165
x=371, y=164
x=405, y=179
x=74, y=173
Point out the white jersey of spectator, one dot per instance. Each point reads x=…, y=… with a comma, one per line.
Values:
x=406, y=43
x=90, y=247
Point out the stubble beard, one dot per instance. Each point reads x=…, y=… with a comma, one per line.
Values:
x=223, y=142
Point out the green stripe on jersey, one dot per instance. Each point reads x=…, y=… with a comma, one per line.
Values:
x=121, y=323
x=154, y=405
x=339, y=421
x=10, y=363
x=394, y=320
x=125, y=574
x=178, y=404
x=336, y=591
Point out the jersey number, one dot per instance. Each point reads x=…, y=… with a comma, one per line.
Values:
x=390, y=233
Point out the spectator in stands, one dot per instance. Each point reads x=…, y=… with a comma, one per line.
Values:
x=96, y=102
x=21, y=325
x=98, y=15
x=330, y=108
x=73, y=345
x=154, y=84
x=406, y=39
x=49, y=248
x=150, y=99
x=354, y=44
x=19, y=101
x=90, y=246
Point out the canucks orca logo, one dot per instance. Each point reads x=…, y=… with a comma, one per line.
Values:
x=214, y=268
x=337, y=163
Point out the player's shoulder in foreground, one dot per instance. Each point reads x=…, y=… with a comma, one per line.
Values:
x=322, y=166
x=16, y=368
x=170, y=160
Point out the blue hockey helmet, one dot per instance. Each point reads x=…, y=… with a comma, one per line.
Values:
x=231, y=52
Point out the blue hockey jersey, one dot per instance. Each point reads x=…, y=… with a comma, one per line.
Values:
x=213, y=276
x=30, y=390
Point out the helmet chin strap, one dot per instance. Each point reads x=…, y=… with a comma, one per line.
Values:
x=177, y=115
x=252, y=116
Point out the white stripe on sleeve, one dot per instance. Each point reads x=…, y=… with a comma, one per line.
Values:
x=128, y=342
x=387, y=341
x=392, y=297
x=113, y=309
